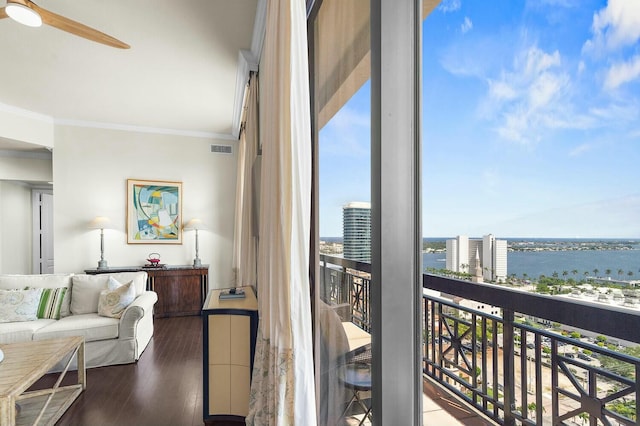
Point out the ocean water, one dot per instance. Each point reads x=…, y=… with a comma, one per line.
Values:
x=546, y=263
x=536, y=263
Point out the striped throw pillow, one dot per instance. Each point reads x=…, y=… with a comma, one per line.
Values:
x=51, y=302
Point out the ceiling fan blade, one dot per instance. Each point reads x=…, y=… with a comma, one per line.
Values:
x=3, y=14
x=76, y=28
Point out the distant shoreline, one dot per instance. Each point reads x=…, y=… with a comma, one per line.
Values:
x=436, y=245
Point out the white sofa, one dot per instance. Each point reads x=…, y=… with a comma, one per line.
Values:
x=108, y=341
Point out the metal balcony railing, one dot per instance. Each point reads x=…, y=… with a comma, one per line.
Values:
x=510, y=366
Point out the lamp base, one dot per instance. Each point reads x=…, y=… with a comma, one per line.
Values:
x=197, y=262
x=102, y=264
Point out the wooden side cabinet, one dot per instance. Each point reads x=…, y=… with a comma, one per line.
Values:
x=229, y=338
x=181, y=289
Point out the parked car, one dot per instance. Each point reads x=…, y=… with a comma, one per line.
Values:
x=584, y=357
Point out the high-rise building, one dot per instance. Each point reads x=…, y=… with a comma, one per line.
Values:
x=464, y=253
x=356, y=231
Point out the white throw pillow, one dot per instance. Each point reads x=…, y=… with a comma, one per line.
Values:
x=116, y=298
x=19, y=305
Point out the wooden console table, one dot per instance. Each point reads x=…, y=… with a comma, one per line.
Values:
x=181, y=289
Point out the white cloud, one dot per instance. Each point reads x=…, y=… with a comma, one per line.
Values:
x=580, y=149
x=538, y=61
x=615, y=26
x=545, y=87
x=527, y=98
x=622, y=72
x=466, y=26
x=347, y=134
x=501, y=90
x=615, y=113
x=449, y=6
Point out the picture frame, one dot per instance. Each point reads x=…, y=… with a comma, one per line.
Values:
x=154, y=212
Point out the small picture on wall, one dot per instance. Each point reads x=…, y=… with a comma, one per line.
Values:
x=154, y=212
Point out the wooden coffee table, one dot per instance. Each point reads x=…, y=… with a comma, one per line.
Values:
x=25, y=363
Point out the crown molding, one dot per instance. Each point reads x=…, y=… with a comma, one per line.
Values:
x=248, y=61
x=26, y=113
x=143, y=129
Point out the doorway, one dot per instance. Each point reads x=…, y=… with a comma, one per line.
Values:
x=42, y=207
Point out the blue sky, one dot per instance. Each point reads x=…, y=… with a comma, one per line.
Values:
x=531, y=123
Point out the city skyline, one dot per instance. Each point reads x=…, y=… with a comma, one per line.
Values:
x=530, y=123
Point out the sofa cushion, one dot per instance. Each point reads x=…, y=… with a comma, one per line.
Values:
x=90, y=326
x=13, y=332
x=19, y=305
x=51, y=302
x=116, y=298
x=85, y=289
x=14, y=281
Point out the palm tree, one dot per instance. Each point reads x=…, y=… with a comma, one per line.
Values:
x=608, y=272
x=620, y=272
x=574, y=271
x=531, y=408
x=584, y=417
x=555, y=274
x=565, y=273
x=595, y=272
x=630, y=273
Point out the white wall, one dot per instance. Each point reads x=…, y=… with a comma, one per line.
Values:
x=90, y=170
x=25, y=167
x=15, y=228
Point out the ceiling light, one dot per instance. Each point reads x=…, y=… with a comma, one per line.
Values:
x=23, y=14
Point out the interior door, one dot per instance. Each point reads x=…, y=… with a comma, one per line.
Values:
x=42, y=232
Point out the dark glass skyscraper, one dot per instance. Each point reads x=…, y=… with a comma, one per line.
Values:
x=356, y=231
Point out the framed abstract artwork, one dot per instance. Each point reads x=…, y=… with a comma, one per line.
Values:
x=154, y=212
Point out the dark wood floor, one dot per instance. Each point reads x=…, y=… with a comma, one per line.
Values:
x=163, y=388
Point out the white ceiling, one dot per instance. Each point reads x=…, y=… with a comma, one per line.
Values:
x=179, y=75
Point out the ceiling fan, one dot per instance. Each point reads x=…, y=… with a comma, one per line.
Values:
x=28, y=13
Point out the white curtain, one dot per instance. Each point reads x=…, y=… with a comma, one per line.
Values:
x=282, y=388
x=245, y=241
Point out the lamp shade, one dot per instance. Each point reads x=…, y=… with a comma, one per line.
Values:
x=23, y=14
x=195, y=224
x=100, y=222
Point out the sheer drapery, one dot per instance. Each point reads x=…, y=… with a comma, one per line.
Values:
x=245, y=241
x=282, y=388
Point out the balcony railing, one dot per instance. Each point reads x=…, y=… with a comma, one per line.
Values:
x=506, y=365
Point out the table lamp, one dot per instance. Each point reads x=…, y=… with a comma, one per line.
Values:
x=101, y=223
x=195, y=224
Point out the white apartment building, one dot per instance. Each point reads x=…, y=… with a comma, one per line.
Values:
x=486, y=255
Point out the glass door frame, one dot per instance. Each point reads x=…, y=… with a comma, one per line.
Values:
x=396, y=261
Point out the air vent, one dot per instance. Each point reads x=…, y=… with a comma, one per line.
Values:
x=221, y=149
